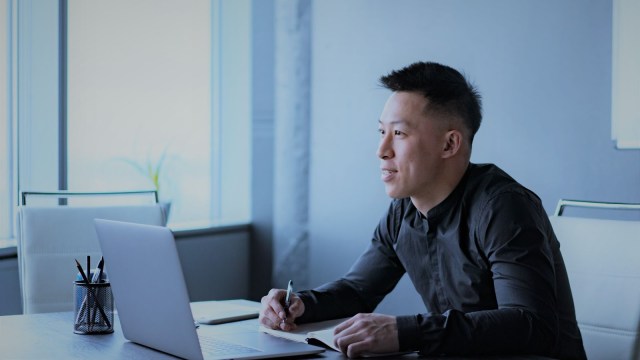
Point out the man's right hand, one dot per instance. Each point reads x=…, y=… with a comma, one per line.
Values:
x=273, y=314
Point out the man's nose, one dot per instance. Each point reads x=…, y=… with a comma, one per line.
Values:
x=385, y=150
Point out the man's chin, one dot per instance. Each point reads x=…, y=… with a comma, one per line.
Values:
x=394, y=193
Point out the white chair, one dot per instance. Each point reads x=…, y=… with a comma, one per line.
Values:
x=51, y=237
x=602, y=258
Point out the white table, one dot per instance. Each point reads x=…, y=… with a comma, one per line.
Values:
x=50, y=336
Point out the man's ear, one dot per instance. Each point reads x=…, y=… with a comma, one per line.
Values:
x=452, y=144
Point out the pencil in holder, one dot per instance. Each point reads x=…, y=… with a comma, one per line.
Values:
x=93, y=308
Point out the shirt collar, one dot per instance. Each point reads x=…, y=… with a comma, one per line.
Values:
x=451, y=200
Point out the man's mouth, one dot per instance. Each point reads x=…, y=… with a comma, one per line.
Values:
x=388, y=174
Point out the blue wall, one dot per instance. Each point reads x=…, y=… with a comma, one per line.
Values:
x=543, y=68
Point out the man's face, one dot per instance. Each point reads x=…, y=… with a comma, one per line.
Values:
x=411, y=144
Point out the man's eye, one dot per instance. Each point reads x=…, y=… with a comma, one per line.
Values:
x=397, y=132
x=381, y=132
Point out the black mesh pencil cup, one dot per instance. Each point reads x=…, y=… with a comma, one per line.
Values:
x=93, y=308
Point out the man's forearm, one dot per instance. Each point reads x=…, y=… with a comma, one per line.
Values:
x=332, y=301
x=483, y=332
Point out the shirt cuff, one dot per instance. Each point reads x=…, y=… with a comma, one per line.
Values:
x=408, y=332
x=309, y=300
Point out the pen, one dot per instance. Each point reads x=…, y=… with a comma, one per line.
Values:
x=91, y=307
x=98, y=274
x=97, y=279
x=90, y=291
x=287, y=299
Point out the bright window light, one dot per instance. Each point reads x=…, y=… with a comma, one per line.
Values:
x=142, y=97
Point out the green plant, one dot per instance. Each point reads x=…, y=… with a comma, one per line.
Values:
x=150, y=169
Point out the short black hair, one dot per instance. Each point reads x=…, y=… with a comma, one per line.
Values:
x=446, y=89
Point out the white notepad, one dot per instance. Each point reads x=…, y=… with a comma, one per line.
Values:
x=223, y=311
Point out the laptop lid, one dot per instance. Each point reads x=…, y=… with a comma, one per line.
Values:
x=152, y=299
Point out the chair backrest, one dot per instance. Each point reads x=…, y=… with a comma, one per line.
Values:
x=50, y=238
x=602, y=258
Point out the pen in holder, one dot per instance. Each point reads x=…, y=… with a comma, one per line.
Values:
x=93, y=308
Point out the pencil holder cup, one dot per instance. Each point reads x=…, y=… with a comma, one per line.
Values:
x=93, y=308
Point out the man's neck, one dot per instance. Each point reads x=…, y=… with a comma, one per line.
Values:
x=442, y=190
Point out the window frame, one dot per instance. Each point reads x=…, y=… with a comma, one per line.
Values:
x=7, y=238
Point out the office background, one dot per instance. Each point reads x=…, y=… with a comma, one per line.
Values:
x=542, y=67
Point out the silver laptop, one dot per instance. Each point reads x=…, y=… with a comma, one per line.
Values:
x=153, y=305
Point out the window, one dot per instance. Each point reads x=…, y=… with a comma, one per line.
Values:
x=6, y=143
x=148, y=83
x=139, y=97
x=625, y=92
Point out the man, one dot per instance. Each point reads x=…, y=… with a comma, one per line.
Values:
x=477, y=245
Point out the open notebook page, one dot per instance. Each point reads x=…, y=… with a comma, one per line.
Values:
x=321, y=331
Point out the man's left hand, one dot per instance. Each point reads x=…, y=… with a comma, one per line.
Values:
x=367, y=333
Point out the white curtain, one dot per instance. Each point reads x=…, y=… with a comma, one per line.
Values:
x=292, y=127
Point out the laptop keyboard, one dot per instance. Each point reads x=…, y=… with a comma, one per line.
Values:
x=212, y=346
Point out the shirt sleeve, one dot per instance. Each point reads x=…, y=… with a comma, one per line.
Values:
x=517, y=246
x=374, y=275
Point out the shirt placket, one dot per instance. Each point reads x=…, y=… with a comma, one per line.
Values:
x=434, y=262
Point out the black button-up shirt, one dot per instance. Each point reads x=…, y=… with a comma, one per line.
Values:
x=485, y=262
